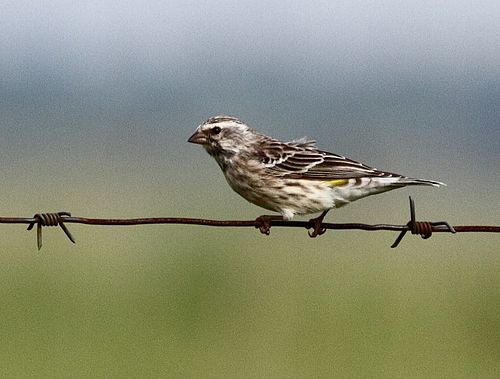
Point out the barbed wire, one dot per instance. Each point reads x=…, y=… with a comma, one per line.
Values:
x=264, y=223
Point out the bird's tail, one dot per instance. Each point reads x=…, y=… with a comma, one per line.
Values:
x=419, y=182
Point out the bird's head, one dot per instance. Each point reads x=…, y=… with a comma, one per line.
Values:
x=223, y=136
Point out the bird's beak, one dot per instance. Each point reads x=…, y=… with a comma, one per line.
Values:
x=199, y=138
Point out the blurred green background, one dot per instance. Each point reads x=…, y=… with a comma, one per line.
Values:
x=97, y=100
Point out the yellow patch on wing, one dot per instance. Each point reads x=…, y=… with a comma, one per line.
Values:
x=338, y=182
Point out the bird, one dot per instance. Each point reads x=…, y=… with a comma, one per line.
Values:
x=291, y=178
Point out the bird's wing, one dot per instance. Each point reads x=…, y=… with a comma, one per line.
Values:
x=303, y=142
x=302, y=161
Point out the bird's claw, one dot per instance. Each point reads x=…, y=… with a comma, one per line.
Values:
x=263, y=223
x=316, y=232
x=317, y=227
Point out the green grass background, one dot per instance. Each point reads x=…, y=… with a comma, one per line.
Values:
x=187, y=301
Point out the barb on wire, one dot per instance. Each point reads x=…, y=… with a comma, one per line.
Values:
x=423, y=228
x=49, y=219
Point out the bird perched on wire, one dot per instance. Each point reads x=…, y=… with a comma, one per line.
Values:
x=292, y=178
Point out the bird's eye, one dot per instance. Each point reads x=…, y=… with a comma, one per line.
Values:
x=216, y=130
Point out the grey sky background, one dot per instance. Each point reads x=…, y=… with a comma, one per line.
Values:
x=91, y=40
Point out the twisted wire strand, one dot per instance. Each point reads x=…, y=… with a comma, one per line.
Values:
x=423, y=228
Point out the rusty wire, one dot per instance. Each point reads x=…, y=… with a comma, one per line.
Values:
x=422, y=228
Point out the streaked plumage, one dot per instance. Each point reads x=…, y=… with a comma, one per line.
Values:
x=292, y=178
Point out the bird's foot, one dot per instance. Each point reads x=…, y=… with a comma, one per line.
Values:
x=263, y=223
x=317, y=225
